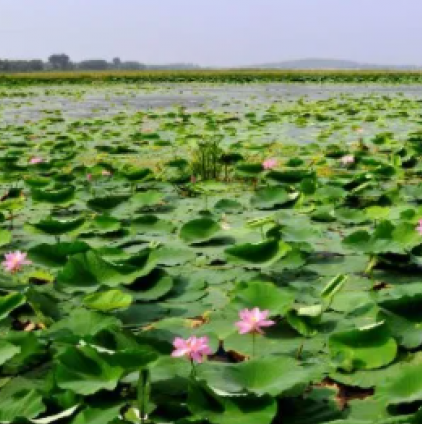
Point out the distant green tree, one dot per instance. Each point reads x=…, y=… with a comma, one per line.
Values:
x=117, y=63
x=35, y=65
x=4, y=65
x=21, y=65
x=132, y=66
x=94, y=65
x=60, y=62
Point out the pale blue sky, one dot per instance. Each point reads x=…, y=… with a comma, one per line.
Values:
x=214, y=32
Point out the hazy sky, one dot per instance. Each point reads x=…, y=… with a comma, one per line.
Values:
x=214, y=32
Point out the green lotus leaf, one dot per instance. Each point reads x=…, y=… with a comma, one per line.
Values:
x=295, y=162
x=104, y=224
x=56, y=227
x=12, y=204
x=290, y=176
x=377, y=213
x=272, y=375
x=347, y=301
x=305, y=319
x=294, y=259
x=206, y=405
x=170, y=376
x=330, y=194
x=140, y=315
x=401, y=309
x=61, y=196
x=137, y=174
x=367, y=411
x=325, y=213
x=273, y=197
x=265, y=296
x=261, y=254
x=107, y=203
x=406, y=236
x=231, y=158
x=228, y=206
x=363, y=348
x=403, y=388
x=151, y=224
x=7, y=351
x=17, y=401
x=147, y=199
x=367, y=379
x=56, y=255
x=351, y=216
x=299, y=231
x=5, y=237
x=45, y=303
x=152, y=286
x=31, y=350
x=103, y=415
x=386, y=238
x=172, y=255
x=250, y=170
x=358, y=241
x=82, y=322
x=211, y=187
x=10, y=302
x=178, y=163
x=308, y=186
x=199, y=230
x=38, y=182
x=87, y=271
x=134, y=358
x=85, y=371
x=319, y=404
x=107, y=300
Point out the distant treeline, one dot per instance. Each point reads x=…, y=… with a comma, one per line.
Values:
x=62, y=62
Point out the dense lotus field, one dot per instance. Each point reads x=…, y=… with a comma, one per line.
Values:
x=206, y=254
x=236, y=76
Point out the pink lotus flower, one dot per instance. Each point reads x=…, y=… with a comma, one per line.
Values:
x=419, y=227
x=14, y=261
x=106, y=173
x=89, y=177
x=269, y=163
x=194, y=348
x=252, y=321
x=35, y=160
x=359, y=130
x=347, y=160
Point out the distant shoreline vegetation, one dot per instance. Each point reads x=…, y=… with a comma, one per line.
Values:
x=212, y=76
x=62, y=62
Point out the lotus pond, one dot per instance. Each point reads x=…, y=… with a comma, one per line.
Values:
x=211, y=254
